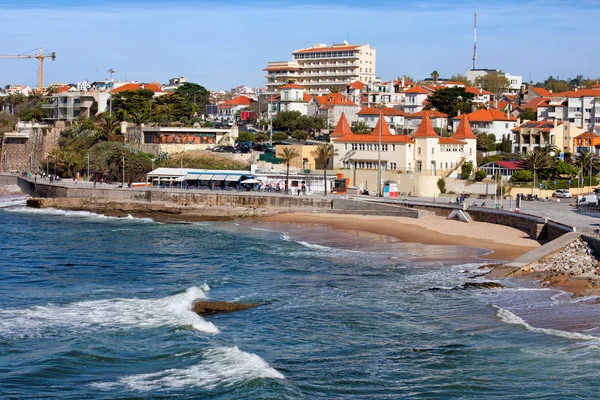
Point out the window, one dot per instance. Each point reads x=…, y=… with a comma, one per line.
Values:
x=384, y=147
x=361, y=146
x=506, y=125
x=432, y=150
x=345, y=146
x=354, y=146
x=393, y=166
x=393, y=147
x=419, y=151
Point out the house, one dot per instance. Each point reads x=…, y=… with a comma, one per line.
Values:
x=415, y=97
x=586, y=142
x=480, y=96
x=438, y=119
x=503, y=168
x=69, y=104
x=331, y=106
x=154, y=87
x=355, y=90
x=228, y=108
x=532, y=93
x=291, y=97
x=579, y=106
x=490, y=121
x=19, y=89
x=370, y=115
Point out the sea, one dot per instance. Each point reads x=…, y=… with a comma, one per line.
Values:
x=96, y=307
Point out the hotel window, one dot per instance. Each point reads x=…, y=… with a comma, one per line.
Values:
x=393, y=166
x=394, y=147
x=345, y=146
x=354, y=146
x=506, y=125
x=446, y=165
x=361, y=146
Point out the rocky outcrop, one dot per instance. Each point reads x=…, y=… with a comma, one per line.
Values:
x=575, y=259
x=482, y=285
x=216, y=307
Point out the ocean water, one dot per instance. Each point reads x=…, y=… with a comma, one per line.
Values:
x=93, y=307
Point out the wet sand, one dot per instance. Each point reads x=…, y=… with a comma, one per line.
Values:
x=506, y=243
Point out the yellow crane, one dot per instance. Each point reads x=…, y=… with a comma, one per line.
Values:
x=40, y=56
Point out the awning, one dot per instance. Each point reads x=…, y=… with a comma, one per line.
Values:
x=219, y=177
x=204, y=177
x=233, y=178
x=192, y=177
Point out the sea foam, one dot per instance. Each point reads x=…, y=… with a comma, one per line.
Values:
x=510, y=318
x=109, y=314
x=221, y=366
x=79, y=214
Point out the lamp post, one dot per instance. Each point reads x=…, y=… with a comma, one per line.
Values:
x=88, y=166
x=123, y=170
x=55, y=166
x=4, y=161
x=379, y=153
x=30, y=162
x=47, y=165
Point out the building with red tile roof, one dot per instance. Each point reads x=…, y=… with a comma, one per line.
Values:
x=370, y=115
x=438, y=119
x=155, y=87
x=533, y=134
x=463, y=130
x=490, y=121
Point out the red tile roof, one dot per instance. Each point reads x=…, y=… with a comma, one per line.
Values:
x=62, y=89
x=533, y=104
x=387, y=111
x=509, y=164
x=321, y=49
x=488, y=115
x=374, y=136
x=544, y=126
x=237, y=101
x=334, y=99
x=307, y=97
x=450, y=140
x=542, y=92
x=477, y=91
x=417, y=90
x=578, y=93
x=463, y=130
x=358, y=85
x=136, y=86
x=587, y=135
x=428, y=113
x=342, y=128
x=425, y=129
x=292, y=86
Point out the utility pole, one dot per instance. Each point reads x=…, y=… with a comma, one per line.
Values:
x=88, y=166
x=379, y=154
x=30, y=162
x=475, y=41
x=123, y=170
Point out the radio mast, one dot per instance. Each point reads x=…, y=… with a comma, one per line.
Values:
x=475, y=41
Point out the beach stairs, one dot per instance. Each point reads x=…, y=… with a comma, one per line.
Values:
x=460, y=215
x=460, y=162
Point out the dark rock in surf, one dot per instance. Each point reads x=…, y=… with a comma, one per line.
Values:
x=482, y=285
x=216, y=307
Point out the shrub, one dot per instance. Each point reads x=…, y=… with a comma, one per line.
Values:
x=441, y=184
x=466, y=170
x=522, y=176
x=480, y=175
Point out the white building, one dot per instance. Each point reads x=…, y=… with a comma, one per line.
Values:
x=19, y=89
x=515, y=80
x=580, y=107
x=331, y=106
x=291, y=97
x=414, y=100
x=321, y=67
x=370, y=115
x=490, y=121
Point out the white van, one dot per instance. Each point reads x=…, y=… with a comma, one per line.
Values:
x=589, y=200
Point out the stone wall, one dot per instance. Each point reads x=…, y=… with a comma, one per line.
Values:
x=21, y=151
x=553, y=230
x=531, y=224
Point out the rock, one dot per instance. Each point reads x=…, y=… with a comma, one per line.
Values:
x=482, y=285
x=216, y=307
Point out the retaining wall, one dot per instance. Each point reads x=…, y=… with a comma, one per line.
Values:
x=531, y=224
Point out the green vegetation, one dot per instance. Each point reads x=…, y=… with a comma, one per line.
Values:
x=451, y=100
x=300, y=135
x=494, y=82
x=466, y=169
x=361, y=128
x=201, y=161
x=322, y=154
x=289, y=121
x=528, y=114
x=289, y=153
x=441, y=184
x=480, y=175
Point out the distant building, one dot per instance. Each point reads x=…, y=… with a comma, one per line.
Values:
x=503, y=168
x=322, y=67
x=490, y=121
x=69, y=105
x=19, y=89
x=331, y=106
x=515, y=80
x=173, y=84
x=579, y=106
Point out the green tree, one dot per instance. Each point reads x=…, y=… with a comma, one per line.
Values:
x=287, y=121
x=361, y=128
x=322, y=154
x=134, y=105
x=539, y=161
x=495, y=82
x=174, y=106
x=528, y=114
x=522, y=175
x=300, y=135
x=194, y=94
x=564, y=168
x=486, y=142
x=461, y=78
x=441, y=184
x=466, y=169
x=279, y=136
x=107, y=124
x=480, y=175
x=583, y=162
x=245, y=137
x=451, y=100
x=29, y=112
x=289, y=153
x=261, y=137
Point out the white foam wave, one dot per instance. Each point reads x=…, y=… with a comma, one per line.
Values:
x=116, y=313
x=221, y=366
x=510, y=318
x=79, y=214
x=9, y=201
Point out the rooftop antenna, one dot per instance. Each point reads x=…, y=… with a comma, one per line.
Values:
x=475, y=41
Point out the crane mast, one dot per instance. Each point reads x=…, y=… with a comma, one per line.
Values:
x=40, y=56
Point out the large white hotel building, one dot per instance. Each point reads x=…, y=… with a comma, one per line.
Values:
x=322, y=67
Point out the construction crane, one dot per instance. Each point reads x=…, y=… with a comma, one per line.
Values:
x=40, y=56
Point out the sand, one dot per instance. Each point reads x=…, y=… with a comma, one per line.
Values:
x=506, y=243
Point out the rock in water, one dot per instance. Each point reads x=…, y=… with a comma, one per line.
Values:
x=215, y=307
x=482, y=285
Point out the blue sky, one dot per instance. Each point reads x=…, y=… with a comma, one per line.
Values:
x=222, y=44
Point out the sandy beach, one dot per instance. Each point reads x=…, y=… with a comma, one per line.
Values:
x=506, y=243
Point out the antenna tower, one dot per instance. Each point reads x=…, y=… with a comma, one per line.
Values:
x=475, y=41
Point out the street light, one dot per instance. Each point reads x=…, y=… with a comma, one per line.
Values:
x=379, y=153
x=88, y=166
x=123, y=170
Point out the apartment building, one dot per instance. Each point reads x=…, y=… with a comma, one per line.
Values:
x=534, y=134
x=414, y=100
x=515, y=80
x=393, y=117
x=292, y=97
x=322, y=67
x=69, y=105
x=579, y=106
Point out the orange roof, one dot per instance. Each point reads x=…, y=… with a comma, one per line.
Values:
x=540, y=91
x=381, y=128
x=453, y=83
x=578, y=93
x=417, y=90
x=587, y=135
x=374, y=136
x=136, y=86
x=62, y=89
x=533, y=104
x=488, y=115
x=320, y=49
x=463, y=130
x=450, y=140
x=342, y=128
x=388, y=111
x=425, y=129
x=307, y=97
x=292, y=86
x=237, y=101
x=428, y=113
x=544, y=126
x=334, y=99
x=596, y=86
x=358, y=85
x=476, y=91
x=274, y=98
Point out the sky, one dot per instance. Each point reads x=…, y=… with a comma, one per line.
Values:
x=223, y=44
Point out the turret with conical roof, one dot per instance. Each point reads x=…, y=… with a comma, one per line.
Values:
x=425, y=129
x=342, y=128
x=463, y=130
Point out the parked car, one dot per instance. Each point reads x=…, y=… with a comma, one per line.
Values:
x=267, y=148
x=223, y=149
x=589, y=200
x=562, y=193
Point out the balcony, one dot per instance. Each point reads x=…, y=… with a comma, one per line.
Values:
x=329, y=65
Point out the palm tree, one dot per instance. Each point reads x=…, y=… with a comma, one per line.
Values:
x=585, y=160
x=322, y=154
x=361, y=128
x=107, y=123
x=289, y=153
x=435, y=76
x=334, y=89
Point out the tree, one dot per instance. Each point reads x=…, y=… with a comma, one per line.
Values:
x=300, y=135
x=466, y=169
x=495, y=82
x=361, y=128
x=135, y=105
x=480, y=175
x=334, y=89
x=29, y=112
x=539, y=161
x=461, y=78
x=289, y=153
x=194, y=94
x=261, y=137
x=584, y=161
x=108, y=124
x=435, y=76
x=451, y=100
x=174, y=106
x=279, y=136
x=286, y=121
x=564, y=168
x=528, y=114
x=486, y=142
x=522, y=176
x=441, y=184
x=322, y=154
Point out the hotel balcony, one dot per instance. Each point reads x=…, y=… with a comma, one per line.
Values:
x=330, y=65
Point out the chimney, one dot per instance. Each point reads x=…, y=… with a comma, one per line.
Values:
x=480, y=90
x=403, y=82
x=576, y=89
x=508, y=114
x=555, y=123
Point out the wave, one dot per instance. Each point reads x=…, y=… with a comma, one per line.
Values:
x=111, y=314
x=80, y=214
x=221, y=366
x=510, y=318
x=12, y=201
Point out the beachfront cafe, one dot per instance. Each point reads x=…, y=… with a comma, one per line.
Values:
x=186, y=178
